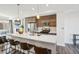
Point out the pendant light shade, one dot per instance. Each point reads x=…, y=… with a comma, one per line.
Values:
x=38, y=17
x=17, y=19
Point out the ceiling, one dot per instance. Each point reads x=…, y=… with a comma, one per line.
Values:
x=26, y=10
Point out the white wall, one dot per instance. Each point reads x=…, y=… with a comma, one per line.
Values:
x=71, y=21
x=67, y=25
x=60, y=28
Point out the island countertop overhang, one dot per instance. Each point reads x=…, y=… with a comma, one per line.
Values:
x=42, y=37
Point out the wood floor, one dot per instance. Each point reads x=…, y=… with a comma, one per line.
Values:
x=68, y=49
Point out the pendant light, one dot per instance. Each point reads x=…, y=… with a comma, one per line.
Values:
x=38, y=16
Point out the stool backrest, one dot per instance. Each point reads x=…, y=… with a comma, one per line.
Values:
x=4, y=39
x=40, y=50
x=1, y=41
x=24, y=46
x=11, y=42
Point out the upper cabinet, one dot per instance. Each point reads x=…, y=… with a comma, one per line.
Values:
x=50, y=19
x=30, y=19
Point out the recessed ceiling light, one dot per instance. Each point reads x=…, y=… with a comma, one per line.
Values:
x=33, y=9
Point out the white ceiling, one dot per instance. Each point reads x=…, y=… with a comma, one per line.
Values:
x=10, y=10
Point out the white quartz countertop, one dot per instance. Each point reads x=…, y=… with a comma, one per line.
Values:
x=42, y=37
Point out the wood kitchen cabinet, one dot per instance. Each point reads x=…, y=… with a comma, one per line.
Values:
x=30, y=19
x=51, y=19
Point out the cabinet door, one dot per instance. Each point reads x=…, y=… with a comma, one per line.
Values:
x=1, y=26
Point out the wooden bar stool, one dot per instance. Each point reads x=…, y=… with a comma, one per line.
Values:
x=5, y=41
x=1, y=43
x=14, y=43
x=26, y=46
x=40, y=50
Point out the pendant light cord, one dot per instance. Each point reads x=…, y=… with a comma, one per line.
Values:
x=18, y=9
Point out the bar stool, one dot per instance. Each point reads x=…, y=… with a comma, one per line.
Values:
x=40, y=50
x=1, y=43
x=26, y=46
x=5, y=41
x=13, y=43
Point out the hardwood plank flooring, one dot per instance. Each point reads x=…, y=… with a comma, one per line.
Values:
x=68, y=49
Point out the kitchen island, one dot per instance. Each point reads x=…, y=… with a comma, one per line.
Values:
x=46, y=41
